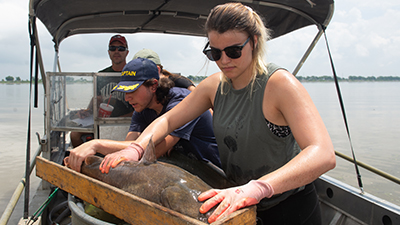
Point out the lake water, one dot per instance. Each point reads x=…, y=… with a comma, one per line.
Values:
x=372, y=108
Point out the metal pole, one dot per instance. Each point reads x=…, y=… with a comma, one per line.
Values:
x=308, y=52
x=370, y=168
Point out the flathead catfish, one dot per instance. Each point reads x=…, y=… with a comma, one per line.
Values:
x=159, y=182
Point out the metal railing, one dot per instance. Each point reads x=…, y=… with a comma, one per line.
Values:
x=369, y=168
x=18, y=191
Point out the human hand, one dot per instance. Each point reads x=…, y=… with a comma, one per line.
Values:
x=235, y=198
x=132, y=153
x=78, y=154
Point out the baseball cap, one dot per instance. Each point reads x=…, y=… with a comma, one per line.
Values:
x=119, y=38
x=135, y=73
x=148, y=54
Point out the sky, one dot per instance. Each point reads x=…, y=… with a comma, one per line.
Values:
x=363, y=35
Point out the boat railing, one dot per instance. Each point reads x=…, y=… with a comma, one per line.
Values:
x=18, y=191
x=369, y=168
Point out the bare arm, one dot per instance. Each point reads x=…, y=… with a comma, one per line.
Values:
x=103, y=146
x=132, y=135
x=197, y=102
x=161, y=148
x=286, y=102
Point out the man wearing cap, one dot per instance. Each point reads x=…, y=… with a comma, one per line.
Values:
x=179, y=81
x=117, y=51
x=151, y=97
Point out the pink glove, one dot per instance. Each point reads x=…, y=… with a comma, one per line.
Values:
x=235, y=198
x=132, y=153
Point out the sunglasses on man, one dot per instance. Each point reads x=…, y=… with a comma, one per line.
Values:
x=233, y=52
x=120, y=48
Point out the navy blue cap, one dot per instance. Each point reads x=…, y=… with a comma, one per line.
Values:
x=135, y=73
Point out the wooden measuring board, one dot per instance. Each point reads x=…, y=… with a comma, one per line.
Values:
x=126, y=206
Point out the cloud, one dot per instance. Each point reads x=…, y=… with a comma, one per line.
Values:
x=12, y=15
x=363, y=36
x=13, y=44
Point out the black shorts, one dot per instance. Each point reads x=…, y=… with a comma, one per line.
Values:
x=300, y=208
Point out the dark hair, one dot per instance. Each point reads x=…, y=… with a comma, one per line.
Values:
x=168, y=74
x=162, y=92
x=175, y=78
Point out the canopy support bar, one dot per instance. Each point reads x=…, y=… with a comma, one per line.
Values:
x=308, y=52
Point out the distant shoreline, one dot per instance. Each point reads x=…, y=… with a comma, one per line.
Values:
x=350, y=79
x=15, y=82
x=198, y=79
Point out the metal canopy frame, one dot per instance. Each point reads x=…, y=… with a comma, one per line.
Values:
x=186, y=17
x=67, y=18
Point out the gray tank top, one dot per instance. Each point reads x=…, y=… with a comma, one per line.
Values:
x=247, y=147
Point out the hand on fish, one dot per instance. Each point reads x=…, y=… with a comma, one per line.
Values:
x=132, y=153
x=235, y=198
x=78, y=155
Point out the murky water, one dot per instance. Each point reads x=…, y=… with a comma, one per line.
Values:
x=372, y=110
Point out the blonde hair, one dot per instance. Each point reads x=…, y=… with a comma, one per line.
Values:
x=238, y=17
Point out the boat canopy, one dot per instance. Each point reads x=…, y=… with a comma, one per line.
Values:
x=66, y=18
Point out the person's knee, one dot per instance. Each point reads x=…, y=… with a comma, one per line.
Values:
x=76, y=139
x=75, y=135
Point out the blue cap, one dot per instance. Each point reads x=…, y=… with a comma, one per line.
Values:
x=135, y=73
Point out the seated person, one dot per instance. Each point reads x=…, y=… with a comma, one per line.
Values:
x=117, y=51
x=180, y=81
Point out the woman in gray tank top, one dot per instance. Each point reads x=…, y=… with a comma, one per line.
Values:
x=272, y=141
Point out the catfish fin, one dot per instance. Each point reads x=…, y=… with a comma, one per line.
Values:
x=149, y=155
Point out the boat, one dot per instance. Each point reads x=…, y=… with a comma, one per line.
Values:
x=340, y=203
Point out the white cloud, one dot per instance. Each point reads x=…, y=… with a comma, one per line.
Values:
x=364, y=38
x=361, y=50
x=13, y=16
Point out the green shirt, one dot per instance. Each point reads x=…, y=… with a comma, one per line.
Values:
x=248, y=149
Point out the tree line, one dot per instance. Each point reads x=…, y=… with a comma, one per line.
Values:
x=324, y=78
x=350, y=79
x=197, y=79
x=11, y=79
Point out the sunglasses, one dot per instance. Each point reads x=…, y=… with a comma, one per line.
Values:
x=233, y=52
x=120, y=48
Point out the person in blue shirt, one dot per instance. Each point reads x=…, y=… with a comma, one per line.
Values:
x=151, y=97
